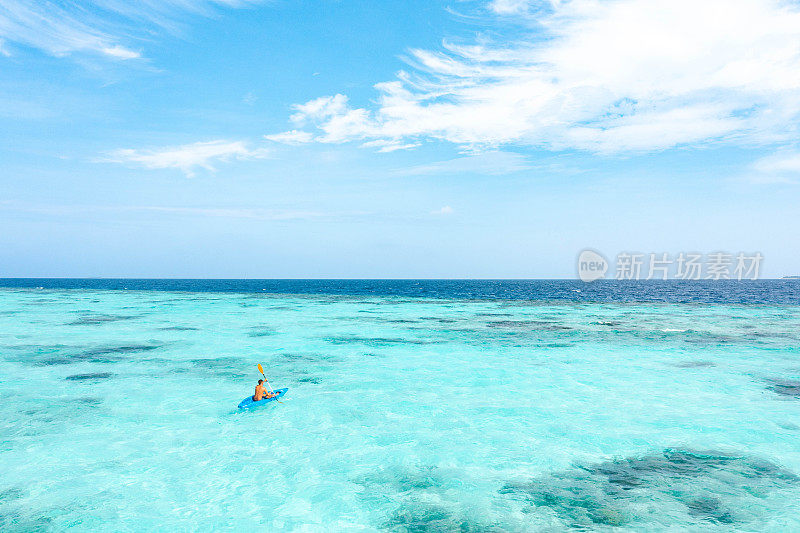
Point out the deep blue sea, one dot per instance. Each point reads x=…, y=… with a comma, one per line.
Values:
x=780, y=292
x=413, y=405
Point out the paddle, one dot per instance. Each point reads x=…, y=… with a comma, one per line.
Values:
x=261, y=369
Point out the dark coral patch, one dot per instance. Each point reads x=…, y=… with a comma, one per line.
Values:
x=785, y=387
x=111, y=354
x=96, y=320
x=532, y=325
x=695, y=364
x=378, y=341
x=90, y=377
x=710, y=486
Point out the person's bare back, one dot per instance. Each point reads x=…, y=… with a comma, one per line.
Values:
x=261, y=392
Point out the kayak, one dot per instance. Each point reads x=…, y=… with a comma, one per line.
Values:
x=248, y=402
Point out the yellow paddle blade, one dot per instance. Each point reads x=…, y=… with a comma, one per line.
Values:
x=260, y=369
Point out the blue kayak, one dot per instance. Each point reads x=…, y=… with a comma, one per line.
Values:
x=248, y=402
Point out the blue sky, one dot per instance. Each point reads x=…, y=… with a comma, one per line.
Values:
x=188, y=138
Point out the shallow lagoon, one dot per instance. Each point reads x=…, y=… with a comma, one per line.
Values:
x=405, y=414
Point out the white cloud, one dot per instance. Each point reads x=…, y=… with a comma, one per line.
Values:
x=389, y=145
x=491, y=163
x=62, y=28
x=250, y=98
x=782, y=167
x=291, y=137
x=780, y=163
x=320, y=108
x=446, y=210
x=119, y=52
x=509, y=7
x=332, y=115
x=187, y=157
x=604, y=76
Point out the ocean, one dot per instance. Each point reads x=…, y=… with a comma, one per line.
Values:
x=413, y=405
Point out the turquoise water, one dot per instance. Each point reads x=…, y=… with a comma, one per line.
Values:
x=119, y=413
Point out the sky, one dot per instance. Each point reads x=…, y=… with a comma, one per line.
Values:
x=394, y=139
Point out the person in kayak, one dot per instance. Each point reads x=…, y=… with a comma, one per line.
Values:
x=261, y=392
